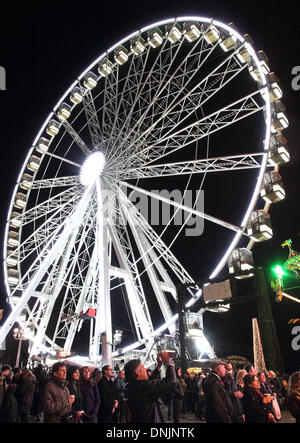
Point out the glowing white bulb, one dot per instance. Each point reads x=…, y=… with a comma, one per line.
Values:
x=92, y=168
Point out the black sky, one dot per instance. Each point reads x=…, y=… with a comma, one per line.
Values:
x=47, y=45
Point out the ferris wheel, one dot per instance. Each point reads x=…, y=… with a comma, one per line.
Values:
x=184, y=100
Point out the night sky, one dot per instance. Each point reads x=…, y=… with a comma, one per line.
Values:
x=45, y=48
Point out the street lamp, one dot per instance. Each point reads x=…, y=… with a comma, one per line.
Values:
x=20, y=335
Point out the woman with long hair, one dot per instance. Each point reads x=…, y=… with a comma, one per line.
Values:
x=90, y=396
x=73, y=376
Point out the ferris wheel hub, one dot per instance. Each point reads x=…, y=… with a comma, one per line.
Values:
x=92, y=168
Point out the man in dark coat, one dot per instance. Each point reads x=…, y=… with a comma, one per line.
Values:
x=218, y=408
x=108, y=396
x=234, y=394
x=144, y=394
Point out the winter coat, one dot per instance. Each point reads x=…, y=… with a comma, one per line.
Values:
x=9, y=409
x=143, y=397
x=55, y=405
x=120, y=388
x=25, y=392
x=254, y=408
x=108, y=395
x=218, y=406
x=90, y=400
x=231, y=387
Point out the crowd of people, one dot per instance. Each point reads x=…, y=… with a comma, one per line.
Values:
x=135, y=394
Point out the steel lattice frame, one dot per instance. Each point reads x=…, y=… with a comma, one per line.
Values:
x=160, y=103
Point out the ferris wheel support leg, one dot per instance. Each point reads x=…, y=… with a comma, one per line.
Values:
x=59, y=244
x=103, y=326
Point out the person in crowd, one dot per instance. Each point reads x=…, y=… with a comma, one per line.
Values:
x=9, y=407
x=250, y=369
x=6, y=374
x=177, y=396
x=143, y=394
x=57, y=401
x=293, y=398
x=41, y=381
x=240, y=379
x=265, y=387
x=255, y=404
x=17, y=375
x=24, y=393
x=201, y=397
x=120, y=392
x=218, y=406
x=235, y=394
x=97, y=375
x=275, y=385
x=108, y=396
x=73, y=376
x=2, y=389
x=90, y=396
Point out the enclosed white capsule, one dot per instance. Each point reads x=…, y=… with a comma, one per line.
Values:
x=20, y=201
x=259, y=226
x=15, y=221
x=90, y=80
x=155, y=37
x=76, y=96
x=13, y=239
x=121, y=55
x=105, y=67
x=191, y=31
x=13, y=277
x=212, y=35
x=137, y=45
x=239, y=261
x=278, y=153
x=272, y=188
x=26, y=181
x=64, y=111
x=53, y=128
x=173, y=32
x=34, y=163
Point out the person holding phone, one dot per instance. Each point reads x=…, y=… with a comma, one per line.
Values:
x=144, y=394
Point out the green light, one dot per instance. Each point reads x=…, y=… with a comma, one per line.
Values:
x=279, y=271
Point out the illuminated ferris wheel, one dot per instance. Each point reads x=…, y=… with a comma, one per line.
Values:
x=186, y=99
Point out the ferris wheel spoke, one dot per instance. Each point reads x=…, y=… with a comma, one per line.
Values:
x=92, y=120
x=67, y=197
x=135, y=292
x=156, y=241
x=185, y=101
x=76, y=137
x=183, y=207
x=77, y=282
x=56, y=182
x=217, y=164
x=207, y=125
